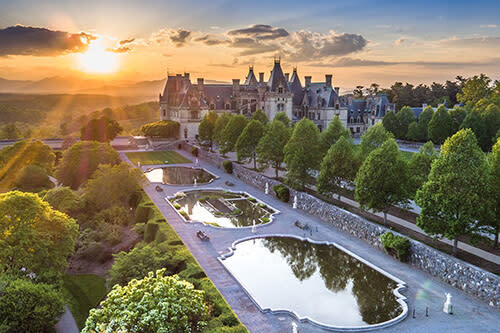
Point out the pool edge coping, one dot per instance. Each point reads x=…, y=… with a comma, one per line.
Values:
x=159, y=166
x=401, y=285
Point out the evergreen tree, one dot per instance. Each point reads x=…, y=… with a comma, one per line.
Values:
x=494, y=190
x=491, y=119
x=270, y=150
x=475, y=122
x=334, y=132
x=373, y=138
x=247, y=142
x=423, y=122
x=415, y=132
x=381, y=181
x=420, y=166
x=302, y=153
x=260, y=116
x=451, y=199
x=232, y=131
x=339, y=166
x=440, y=126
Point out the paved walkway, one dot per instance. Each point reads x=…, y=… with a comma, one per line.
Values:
x=471, y=315
x=67, y=323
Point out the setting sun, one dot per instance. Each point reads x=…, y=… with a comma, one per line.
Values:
x=98, y=60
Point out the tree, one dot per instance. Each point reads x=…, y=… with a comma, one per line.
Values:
x=270, y=150
x=156, y=303
x=232, y=131
x=381, y=181
x=493, y=220
x=281, y=116
x=451, y=199
x=373, y=138
x=10, y=132
x=474, y=89
x=423, y=122
x=219, y=126
x=419, y=167
x=80, y=161
x=247, y=142
x=161, y=129
x=491, y=119
x=112, y=185
x=33, y=178
x=64, y=200
x=358, y=92
x=302, y=153
x=414, y=132
x=335, y=131
x=457, y=115
x=260, y=116
x=390, y=122
x=206, y=128
x=440, y=126
x=101, y=129
x=404, y=117
x=475, y=122
x=34, y=236
x=29, y=307
x=338, y=167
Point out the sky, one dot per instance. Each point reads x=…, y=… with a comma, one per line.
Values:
x=359, y=42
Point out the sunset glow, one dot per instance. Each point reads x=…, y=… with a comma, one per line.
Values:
x=98, y=60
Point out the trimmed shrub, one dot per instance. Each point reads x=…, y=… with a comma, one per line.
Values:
x=282, y=192
x=139, y=228
x=161, y=236
x=228, y=166
x=177, y=206
x=265, y=219
x=194, y=151
x=142, y=214
x=150, y=231
x=134, y=199
x=161, y=129
x=396, y=244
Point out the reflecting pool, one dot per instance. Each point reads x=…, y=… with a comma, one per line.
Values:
x=223, y=208
x=178, y=175
x=318, y=281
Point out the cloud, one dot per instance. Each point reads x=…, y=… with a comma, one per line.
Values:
x=127, y=41
x=178, y=37
x=24, y=40
x=354, y=62
x=399, y=41
x=307, y=45
x=210, y=40
x=124, y=46
x=260, y=32
x=491, y=26
x=121, y=49
x=472, y=42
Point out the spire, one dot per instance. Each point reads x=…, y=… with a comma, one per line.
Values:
x=277, y=78
x=250, y=80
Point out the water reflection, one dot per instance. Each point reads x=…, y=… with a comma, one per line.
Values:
x=315, y=280
x=224, y=209
x=178, y=175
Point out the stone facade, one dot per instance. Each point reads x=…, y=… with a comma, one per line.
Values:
x=469, y=278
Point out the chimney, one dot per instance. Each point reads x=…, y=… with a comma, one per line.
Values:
x=328, y=80
x=308, y=80
x=261, y=77
x=287, y=77
x=200, y=84
x=179, y=75
x=186, y=75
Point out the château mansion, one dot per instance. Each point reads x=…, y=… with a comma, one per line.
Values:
x=187, y=103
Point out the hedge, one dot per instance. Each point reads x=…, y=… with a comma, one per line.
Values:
x=150, y=231
x=161, y=129
x=398, y=244
x=142, y=214
x=194, y=151
x=228, y=166
x=282, y=192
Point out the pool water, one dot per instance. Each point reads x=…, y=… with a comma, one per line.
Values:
x=178, y=175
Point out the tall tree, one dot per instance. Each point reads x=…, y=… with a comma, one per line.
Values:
x=493, y=220
x=34, y=236
x=381, y=181
x=475, y=122
x=219, y=126
x=260, y=116
x=390, y=122
x=335, y=131
x=491, y=119
x=247, y=142
x=281, y=116
x=419, y=167
x=302, y=153
x=206, y=128
x=457, y=115
x=451, y=199
x=404, y=117
x=440, y=125
x=474, y=89
x=373, y=138
x=270, y=150
x=101, y=129
x=423, y=122
x=232, y=131
x=338, y=167
x=358, y=92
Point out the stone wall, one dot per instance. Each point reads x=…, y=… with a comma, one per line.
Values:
x=457, y=273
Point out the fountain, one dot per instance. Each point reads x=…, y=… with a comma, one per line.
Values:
x=254, y=229
x=267, y=188
x=448, y=307
x=295, y=202
x=194, y=181
x=138, y=164
x=294, y=328
x=196, y=163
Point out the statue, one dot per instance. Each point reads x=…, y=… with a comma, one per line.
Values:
x=294, y=328
x=448, y=307
x=295, y=202
x=267, y=188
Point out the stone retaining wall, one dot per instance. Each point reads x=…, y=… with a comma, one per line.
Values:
x=457, y=273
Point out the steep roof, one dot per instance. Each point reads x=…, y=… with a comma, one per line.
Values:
x=319, y=95
x=176, y=89
x=250, y=80
x=277, y=78
x=296, y=88
x=218, y=93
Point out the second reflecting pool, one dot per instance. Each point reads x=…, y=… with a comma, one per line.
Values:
x=179, y=175
x=317, y=281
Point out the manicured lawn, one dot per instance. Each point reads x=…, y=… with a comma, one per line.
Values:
x=157, y=157
x=405, y=154
x=84, y=292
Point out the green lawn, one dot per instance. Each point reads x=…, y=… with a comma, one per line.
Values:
x=84, y=292
x=157, y=157
x=405, y=154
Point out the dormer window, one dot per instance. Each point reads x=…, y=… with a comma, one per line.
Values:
x=280, y=90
